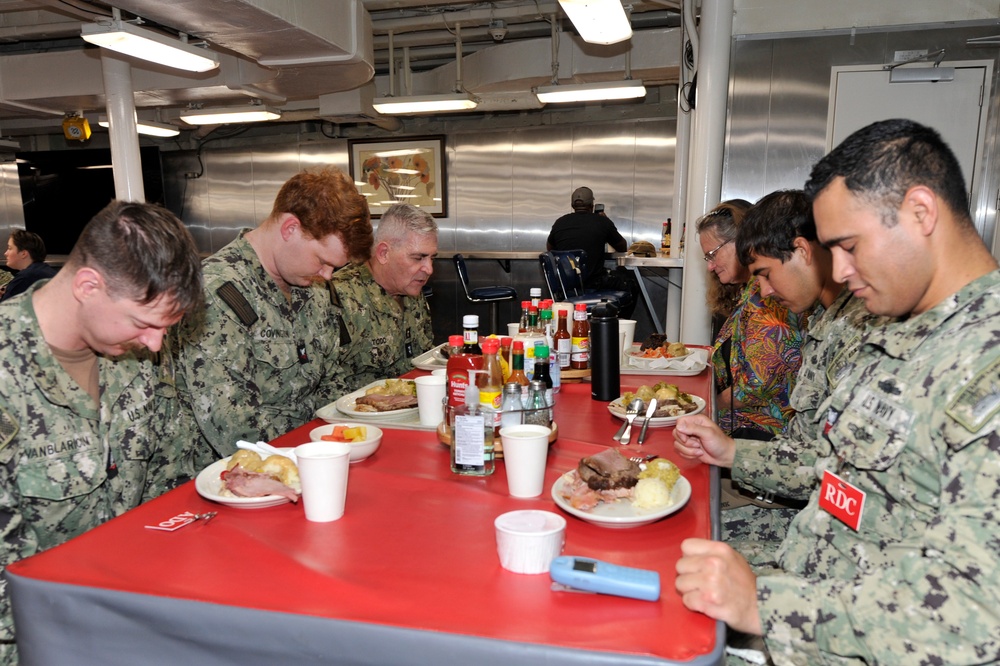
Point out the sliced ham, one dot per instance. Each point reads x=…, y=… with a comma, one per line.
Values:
x=242, y=483
x=385, y=403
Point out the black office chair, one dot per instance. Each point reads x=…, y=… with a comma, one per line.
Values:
x=569, y=264
x=556, y=290
x=492, y=295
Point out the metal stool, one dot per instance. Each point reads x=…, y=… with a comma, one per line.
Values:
x=492, y=295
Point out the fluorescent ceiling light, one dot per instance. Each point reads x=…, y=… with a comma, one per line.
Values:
x=598, y=21
x=148, y=45
x=414, y=104
x=222, y=116
x=147, y=127
x=590, y=92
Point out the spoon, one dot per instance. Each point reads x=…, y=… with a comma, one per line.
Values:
x=634, y=408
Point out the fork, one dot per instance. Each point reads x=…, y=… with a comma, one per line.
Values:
x=641, y=460
x=630, y=414
x=205, y=516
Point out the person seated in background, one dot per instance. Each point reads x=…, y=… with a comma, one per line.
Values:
x=89, y=419
x=26, y=255
x=894, y=558
x=777, y=242
x=382, y=315
x=756, y=352
x=259, y=361
x=583, y=229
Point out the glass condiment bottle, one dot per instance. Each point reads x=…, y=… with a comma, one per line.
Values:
x=517, y=368
x=522, y=326
x=505, y=356
x=562, y=341
x=470, y=334
x=533, y=326
x=512, y=406
x=542, y=370
x=471, y=436
x=536, y=409
x=536, y=296
x=580, y=339
x=457, y=372
x=490, y=384
x=548, y=329
x=455, y=344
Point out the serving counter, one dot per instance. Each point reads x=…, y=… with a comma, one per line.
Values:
x=409, y=575
x=668, y=270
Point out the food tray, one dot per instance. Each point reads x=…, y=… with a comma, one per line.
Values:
x=444, y=435
x=432, y=359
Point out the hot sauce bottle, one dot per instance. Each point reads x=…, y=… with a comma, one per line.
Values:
x=579, y=341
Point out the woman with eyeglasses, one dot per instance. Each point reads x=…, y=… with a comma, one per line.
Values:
x=756, y=354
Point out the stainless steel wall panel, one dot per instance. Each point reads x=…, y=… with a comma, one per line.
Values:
x=479, y=190
x=604, y=160
x=542, y=183
x=779, y=98
x=229, y=188
x=653, y=175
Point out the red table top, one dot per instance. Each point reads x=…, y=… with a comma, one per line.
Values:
x=416, y=548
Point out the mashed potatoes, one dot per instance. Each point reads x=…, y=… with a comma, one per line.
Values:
x=655, y=484
x=651, y=494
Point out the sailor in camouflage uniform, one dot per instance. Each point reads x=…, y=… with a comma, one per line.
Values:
x=259, y=361
x=89, y=421
x=384, y=319
x=777, y=242
x=894, y=560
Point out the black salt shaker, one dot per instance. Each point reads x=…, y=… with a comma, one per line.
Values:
x=605, y=361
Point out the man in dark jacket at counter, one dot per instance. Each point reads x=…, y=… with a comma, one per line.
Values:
x=26, y=255
x=583, y=229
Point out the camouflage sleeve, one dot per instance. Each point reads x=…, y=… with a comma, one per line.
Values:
x=16, y=539
x=938, y=602
x=784, y=465
x=178, y=454
x=217, y=369
x=424, y=330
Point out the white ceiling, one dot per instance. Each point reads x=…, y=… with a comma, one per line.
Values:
x=315, y=59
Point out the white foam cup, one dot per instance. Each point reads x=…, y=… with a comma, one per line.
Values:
x=626, y=336
x=528, y=540
x=439, y=372
x=513, y=328
x=323, y=468
x=431, y=391
x=525, y=448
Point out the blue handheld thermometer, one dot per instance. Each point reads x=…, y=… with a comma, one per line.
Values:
x=596, y=576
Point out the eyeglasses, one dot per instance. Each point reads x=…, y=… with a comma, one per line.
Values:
x=710, y=256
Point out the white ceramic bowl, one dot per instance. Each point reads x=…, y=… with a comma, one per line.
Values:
x=359, y=450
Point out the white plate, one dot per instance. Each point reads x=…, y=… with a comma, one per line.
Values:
x=690, y=364
x=208, y=484
x=621, y=514
x=345, y=405
x=431, y=359
x=618, y=411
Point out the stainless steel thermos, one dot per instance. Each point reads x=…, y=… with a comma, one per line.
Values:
x=605, y=381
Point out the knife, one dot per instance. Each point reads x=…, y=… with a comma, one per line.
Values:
x=645, y=424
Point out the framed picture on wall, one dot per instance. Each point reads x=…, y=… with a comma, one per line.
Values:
x=409, y=171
